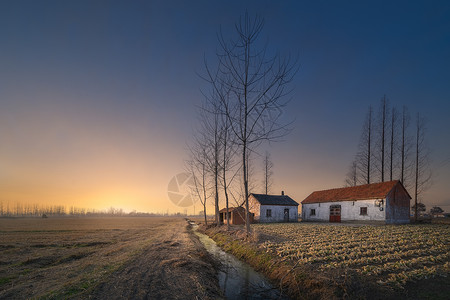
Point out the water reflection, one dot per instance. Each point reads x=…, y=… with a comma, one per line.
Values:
x=237, y=279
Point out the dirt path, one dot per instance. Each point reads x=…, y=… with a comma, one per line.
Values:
x=174, y=266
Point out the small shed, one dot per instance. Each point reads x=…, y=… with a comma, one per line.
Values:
x=273, y=208
x=236, y=215
x=384, y=201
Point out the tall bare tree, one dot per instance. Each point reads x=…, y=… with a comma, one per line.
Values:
x=258, y=88
x=393, y=142
x=406, y=146
x=227, y=164
x=268, y=172
x=212, y=131
x=422, y=165
x=197, y=168
x=364, y=155
x=381, y=136
x=352, y=175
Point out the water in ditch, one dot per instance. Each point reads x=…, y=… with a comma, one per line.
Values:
x=237, y=279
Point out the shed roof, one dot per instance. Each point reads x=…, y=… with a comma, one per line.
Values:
x=230, y=209
x=360, y=192
x=274, y=199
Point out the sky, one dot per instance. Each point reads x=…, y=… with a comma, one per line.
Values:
x=98, y=98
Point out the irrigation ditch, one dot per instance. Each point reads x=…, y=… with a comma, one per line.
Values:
x=237, y=279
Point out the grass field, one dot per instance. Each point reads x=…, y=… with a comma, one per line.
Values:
x=73, y=257
x=390, y=255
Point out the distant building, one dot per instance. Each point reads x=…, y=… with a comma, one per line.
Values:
x=438, y=215
x=273, y=208
x=385, y=201
x=235, y=214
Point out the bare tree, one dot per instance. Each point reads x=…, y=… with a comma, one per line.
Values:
x=257, y=85
x=268, y=166
x=422, y=166
x=393, y=142
x=226, y=161
x=419, y=209
x=381, y=135
x=227, y=164
x=405, y=149
x=211, y=131
x=352, y=175
x=197, y=168
x=364, y=155
x=436, y=210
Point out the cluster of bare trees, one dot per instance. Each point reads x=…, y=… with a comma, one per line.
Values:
x=390, y=148
x=17, y=209
x=242, y=110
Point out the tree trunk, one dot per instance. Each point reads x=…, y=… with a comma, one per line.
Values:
x=266, y=175
x=204, y=196
x=226, y=199
x=225, y=163
x=417, y=169
x=403, y=145
x=392, y=143
x=383, y=138
x=247, y=213
x=369, y=145
x=216, y=198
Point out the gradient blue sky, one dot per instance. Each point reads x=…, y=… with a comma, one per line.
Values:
x=97, y=98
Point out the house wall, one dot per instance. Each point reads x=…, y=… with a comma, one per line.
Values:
x=238, y=217
x=398, y=206
x=278, y=213
x=254, y=206
x=350, y=211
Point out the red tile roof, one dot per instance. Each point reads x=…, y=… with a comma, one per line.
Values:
x=367, y=191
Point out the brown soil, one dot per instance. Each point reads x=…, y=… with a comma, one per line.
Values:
x=104, y=258
x=174, y=266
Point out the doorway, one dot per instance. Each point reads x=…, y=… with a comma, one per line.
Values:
x=335, y=213
x=286, y=214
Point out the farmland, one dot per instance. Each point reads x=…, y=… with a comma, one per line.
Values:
x=103, y=258
x=391, y=255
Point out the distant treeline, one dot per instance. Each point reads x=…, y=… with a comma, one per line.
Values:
x=36, y=210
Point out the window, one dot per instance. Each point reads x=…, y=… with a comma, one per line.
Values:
x=363, y=211
x=268, y=213
x=313, y=212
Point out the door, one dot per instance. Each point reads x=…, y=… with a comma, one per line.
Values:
x=335, y=213
x=286, y=214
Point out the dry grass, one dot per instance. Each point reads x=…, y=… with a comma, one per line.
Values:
x=65, y=257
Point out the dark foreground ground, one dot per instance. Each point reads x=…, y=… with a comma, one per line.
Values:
x=104, y=258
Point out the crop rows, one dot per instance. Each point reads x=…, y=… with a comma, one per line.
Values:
x=393, y=254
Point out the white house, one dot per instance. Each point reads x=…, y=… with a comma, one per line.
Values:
x=273, y=208
x=385, y=201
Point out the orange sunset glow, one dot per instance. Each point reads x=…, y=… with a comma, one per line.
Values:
x=98, y=113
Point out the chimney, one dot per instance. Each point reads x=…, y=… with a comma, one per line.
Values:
x=282, y=193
